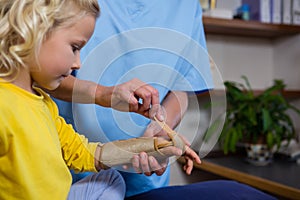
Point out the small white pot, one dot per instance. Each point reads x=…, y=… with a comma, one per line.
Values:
x=259, y=154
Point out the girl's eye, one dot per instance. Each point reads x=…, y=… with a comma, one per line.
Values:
x=75, y=48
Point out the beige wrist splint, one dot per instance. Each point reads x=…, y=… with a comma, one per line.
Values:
x=122, y=151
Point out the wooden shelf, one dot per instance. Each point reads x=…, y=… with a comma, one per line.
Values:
x=289, y=94
x=238, y=27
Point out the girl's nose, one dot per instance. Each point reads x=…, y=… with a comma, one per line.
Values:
x=77, y=63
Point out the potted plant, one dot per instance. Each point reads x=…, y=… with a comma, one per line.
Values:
x=256, y=119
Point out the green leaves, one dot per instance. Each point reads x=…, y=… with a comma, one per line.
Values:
x=266, y=119
x=252, y=117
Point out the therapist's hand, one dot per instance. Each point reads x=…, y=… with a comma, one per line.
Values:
x=143, y=163
x=159, y=167
x=148, y=165
x=136, y=96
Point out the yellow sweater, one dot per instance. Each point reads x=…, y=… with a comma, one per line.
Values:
x=37, y=147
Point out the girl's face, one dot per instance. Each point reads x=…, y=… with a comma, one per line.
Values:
x=60, y=53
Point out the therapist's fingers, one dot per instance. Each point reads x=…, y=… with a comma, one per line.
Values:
x=148, y=95
x=140, y=164
x=136, y=164
x=143, y=96
x=158, y=167
x=144, y=164
x=134, y=96
x=157, y=111
x=149, y=164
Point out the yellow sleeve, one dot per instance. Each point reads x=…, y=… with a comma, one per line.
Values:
x=77, y=152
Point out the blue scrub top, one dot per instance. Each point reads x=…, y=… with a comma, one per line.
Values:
x=118, y=32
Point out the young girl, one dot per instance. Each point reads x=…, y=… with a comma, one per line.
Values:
x=40, y=43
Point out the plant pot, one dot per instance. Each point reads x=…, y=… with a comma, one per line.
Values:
x=259, y=154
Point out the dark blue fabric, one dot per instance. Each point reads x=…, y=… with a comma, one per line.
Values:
x=208, y=190
x=78, y=176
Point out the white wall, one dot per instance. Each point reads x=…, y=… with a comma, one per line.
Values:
x=287, y=61
x=237, y=56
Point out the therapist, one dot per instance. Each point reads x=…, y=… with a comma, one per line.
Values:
x=150, y=41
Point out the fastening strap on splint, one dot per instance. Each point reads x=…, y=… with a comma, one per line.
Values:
x=122, y=151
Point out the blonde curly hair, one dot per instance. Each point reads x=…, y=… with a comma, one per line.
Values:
x=25, y=24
